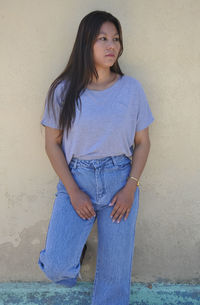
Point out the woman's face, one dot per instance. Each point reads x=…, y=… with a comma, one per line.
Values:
x=106, y=46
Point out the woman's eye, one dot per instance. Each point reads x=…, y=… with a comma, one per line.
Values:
x=104, y=38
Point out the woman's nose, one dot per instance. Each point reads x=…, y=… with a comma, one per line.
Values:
x=110, y=44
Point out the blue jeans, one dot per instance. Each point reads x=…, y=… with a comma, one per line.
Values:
x=68, y=232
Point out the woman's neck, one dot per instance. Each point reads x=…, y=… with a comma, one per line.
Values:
x=106, y=79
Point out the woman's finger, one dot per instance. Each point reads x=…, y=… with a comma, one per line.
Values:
x=127, y=213
x=81, y=214
x=118, y=212
x=120, y=216
x=113, y=200
x=86, y=212
x=91, y=210
x=114, y=210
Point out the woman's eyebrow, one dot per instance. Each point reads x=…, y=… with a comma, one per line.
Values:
x=106, y=33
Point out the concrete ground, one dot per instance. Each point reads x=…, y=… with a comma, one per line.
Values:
x=44, y=293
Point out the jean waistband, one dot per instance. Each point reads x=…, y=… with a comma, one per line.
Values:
x=95, y=163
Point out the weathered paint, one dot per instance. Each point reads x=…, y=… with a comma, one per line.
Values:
x=40, y=293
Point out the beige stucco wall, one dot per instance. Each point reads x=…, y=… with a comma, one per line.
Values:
x=162, y=50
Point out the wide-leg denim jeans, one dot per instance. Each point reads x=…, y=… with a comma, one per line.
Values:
x=68, y=232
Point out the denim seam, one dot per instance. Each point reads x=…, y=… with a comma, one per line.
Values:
x=130, y=269
x=131, y=261
x=95, y=280
x=79, y=253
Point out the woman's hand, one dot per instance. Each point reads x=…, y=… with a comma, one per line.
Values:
x=123, y=200
x=124, y=197
x=82, y=204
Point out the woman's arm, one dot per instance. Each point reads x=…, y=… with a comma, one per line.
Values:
x=141, y=151
x=56, y=156
x=124, y=198
x=79, y=199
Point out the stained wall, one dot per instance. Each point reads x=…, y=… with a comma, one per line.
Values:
x=161, y=50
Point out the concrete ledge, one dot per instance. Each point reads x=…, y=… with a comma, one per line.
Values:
x=42, y=293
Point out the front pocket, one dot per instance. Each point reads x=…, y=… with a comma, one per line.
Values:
x=123, y=163
x=124, y=166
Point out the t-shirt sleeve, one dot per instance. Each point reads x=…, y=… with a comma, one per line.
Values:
x=51, y=118
x=144, y=116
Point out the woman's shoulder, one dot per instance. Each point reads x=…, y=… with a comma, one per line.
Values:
x=61, y=86
x=132, y=82
x=60, y=90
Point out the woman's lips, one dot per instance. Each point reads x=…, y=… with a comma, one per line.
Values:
x=111, y=55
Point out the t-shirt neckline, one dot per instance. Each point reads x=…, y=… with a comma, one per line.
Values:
x=106, y=89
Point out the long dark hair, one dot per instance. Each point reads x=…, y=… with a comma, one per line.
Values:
x=80, y=67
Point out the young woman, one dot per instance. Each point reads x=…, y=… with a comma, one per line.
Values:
x=96, y=120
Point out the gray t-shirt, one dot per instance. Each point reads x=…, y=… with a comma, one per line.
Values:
x=108, y=121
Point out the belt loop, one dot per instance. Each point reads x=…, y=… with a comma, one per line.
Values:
x=75, y=163
x=113, y=160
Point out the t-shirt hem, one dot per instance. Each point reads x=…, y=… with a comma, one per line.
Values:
x=145, y=125
x=46, y=123
x=100, y=156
